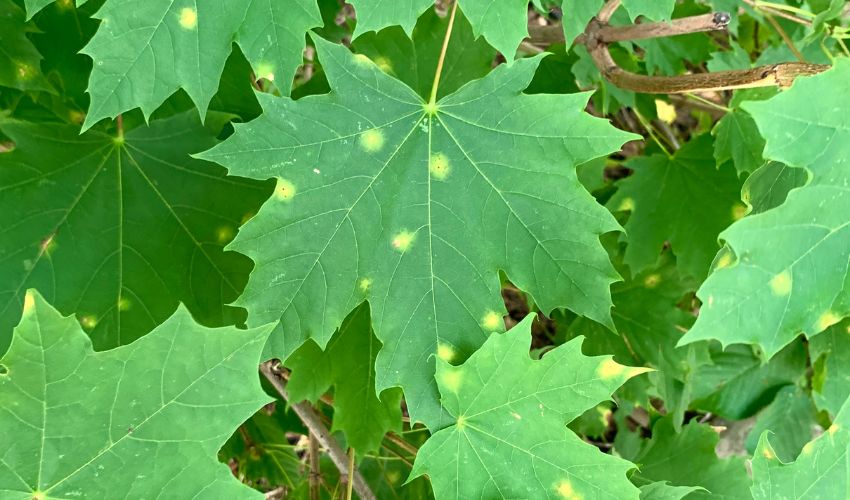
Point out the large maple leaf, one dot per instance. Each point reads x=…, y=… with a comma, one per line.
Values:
x=416, y=208
x=140, y=421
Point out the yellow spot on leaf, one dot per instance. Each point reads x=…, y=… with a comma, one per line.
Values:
x=372, y=140
x=710, y=301
x=48, y=245
x=738, y=211
x=439, y=166
x=652, y=280
x=361, y=59
x=224, y=234
x=124, y=304
x=451, y=380
x=627, y=205
x=365, y=284
x=833, y=429
x=724, y=260
x=284, y=190
x=445, y=352
x=768, y=454
x=29, y=303
x=609, y=369
x=188, y=18
x=807, y=448
x=38, y=495
x=492, y=321
x=385, y=64
x=827, y=319
x=265, y=70
x=666, y=111
x=403, y=241
x=566, y=490
x=781, y=283
x=88, y=321
x=25, y=71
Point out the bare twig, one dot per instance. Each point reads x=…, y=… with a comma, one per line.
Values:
x=314, y=423
x=785, y=37
x=315, y=470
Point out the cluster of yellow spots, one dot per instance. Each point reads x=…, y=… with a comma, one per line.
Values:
x=738, y=211
x=25, y=71
x=89, y=322
x=364, y=284
x=224, y=234
x=439, y=166
x=188, y=18
x=492, y=321
x=284, y=190
x=445, y=352
x=124, y=304
x=627, y=205
x=451, y=379
x=652, y=281
x=567, y=491
x=372, y=140
x=781, y=283
x=827, y=319
x=403, y=241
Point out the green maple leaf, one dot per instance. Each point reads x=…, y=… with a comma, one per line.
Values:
x=685, y=200
x=416, y=208
x=830, y=353
x=663, y=490
x=819, y=472
x=509, y=438
x=768, y=187
x=145, y=51
x=120, y=231
x=738, y=137
x=791, y=417
x=414, y=60
x=375, y=15
x=86, y=424
x=688, y=458
x=348, y=364
x=786, y=270
x=20, y=62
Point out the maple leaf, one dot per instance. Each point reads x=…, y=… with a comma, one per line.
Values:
x=509, y=438
x=685, y=200
x=785, y=270
x=416, y=208
x=145, y=51
x=82, y=424
x=119, y=230
x=20, y=62
x=820, y=470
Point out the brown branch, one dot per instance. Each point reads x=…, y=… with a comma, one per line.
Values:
x=599, y=34
x=318, y=430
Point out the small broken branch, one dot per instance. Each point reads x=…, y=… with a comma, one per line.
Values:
x=599, y=34
x=318, y=430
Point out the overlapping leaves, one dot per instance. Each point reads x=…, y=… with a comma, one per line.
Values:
x=127, y=422
x=416, y=208
x=509, y=438
x=119, y=230
x=786, y=270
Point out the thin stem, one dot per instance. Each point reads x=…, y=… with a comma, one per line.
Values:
x=119, y=123
x=787, y=8
x=785, y=37
x=350, y=473
x=442, y=58
x=314, y=423
x=651, y=131
x=708, y=103
x=778, y=13
x=608, y=10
